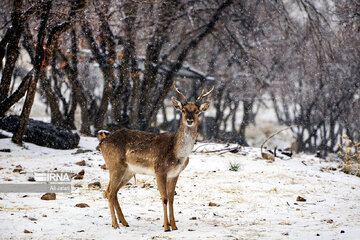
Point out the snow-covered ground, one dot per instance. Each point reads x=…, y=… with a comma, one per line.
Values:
x=256, y=202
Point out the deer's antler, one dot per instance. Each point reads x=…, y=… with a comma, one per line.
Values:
x=180, y=93
x=202, y=95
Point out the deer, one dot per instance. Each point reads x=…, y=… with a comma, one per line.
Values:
x=163, y=155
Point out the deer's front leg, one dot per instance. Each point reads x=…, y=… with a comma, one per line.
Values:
x=161, y=182
x=171, y=184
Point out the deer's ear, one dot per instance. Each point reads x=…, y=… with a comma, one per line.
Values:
x=177, y=104
x=204, y=106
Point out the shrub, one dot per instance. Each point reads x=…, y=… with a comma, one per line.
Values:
x=234, y=166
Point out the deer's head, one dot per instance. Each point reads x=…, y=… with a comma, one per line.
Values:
x=190, y=111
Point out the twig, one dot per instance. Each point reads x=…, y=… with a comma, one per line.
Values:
x=203, y=145
x=261, y=147
x=224, y=150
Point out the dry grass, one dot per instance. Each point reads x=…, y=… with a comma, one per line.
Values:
x=350, y=154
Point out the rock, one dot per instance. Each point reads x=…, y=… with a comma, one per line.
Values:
x=78, y=185
x=31, y=179
x=95, y=185
x=193, y=218
x=18, y=170
x=342, y=231
x=80, y=175
x=42, y=134
x=267, y=156
x=211, y=204
x=81, y=163
x=32, y=219
x=5, y=150
x=319, y=155
x=81, y=151
x=82, y=205
x=146, y=185
x=330, y=221
x=300, y=199
x=48, y=196
x=27, y=231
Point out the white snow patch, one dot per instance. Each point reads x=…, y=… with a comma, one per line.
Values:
x=257, y=202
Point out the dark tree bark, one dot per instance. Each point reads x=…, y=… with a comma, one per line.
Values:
x=168, y=79
x=218, y=107
x=11, y=39
x=167, y=11
x=106, y=65
x=248, y=108
x=17, y=95
x=55, y=113
x=17, y=137
x=127, y=71
x=78, y=88
x=39, y=61
x=10, y=43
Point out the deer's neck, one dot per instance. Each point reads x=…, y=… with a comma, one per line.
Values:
x=184, y=141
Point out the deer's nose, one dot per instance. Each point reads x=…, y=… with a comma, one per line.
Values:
x=190, y=121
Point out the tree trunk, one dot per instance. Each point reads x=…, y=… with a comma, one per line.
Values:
x=12, y=52
x=17, y=137
x=247, y=105
x=167, y=11
x=106, y=65
x=79, y=92
x=17, y=95
x=108, y=75
x=208, y=28
x=39, y=59
x=56, y=116
x=219, y=111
